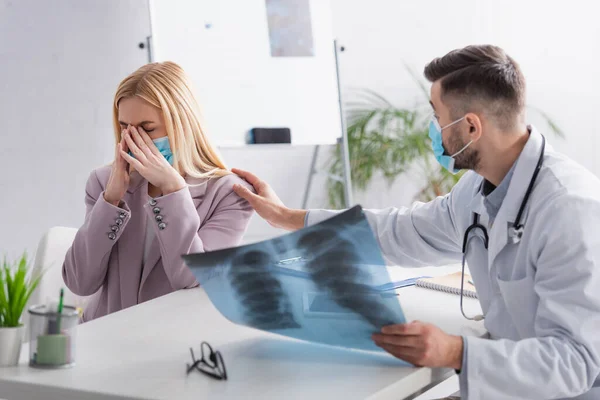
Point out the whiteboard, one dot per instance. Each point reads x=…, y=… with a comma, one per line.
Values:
x=224, y=46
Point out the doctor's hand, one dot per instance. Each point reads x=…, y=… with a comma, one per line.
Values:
x=119, y=176
x=421, y=344
x=267, y=204
x=150, y=163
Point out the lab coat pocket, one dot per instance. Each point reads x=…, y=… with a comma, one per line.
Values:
x=521, y=303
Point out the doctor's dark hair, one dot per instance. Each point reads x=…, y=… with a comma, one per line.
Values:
x=481, y=78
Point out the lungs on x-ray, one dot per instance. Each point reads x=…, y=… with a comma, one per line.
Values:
x=319, y=284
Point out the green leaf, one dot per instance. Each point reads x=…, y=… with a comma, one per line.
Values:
x=3, y=297
x=10, y=288
x=16, y=287
x=19, y=291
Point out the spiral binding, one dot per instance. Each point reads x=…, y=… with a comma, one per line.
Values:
x=443, y=288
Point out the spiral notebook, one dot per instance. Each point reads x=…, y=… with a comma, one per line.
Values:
x=449, y=284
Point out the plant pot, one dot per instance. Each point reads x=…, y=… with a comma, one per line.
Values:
x=10, y=345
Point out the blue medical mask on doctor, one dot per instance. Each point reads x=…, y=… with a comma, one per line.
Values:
x=162, y=144
x=435, y=134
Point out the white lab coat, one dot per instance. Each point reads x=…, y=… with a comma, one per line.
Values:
x=541, y=297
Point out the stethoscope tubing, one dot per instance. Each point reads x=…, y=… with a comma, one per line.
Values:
x=516, y=232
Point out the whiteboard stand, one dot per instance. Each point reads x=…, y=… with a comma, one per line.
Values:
x=346, y=177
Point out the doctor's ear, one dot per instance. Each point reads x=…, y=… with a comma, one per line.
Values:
x=475, y=126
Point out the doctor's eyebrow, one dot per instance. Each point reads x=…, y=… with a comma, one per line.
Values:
x=432, y=106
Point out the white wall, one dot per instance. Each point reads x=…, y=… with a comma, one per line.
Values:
x=60, y=63
x=286, y=170
x=557, y=44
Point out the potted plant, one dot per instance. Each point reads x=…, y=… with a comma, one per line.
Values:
x=16, y=286
x=388, y=140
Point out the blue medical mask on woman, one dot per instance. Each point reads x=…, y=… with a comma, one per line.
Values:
x=435, y=134
x=162, y=144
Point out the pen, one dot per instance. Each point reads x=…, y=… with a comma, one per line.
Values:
x=398, y=284
x=60, y=301
x=60, y=309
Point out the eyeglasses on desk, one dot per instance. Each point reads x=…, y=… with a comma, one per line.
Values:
x=210, y=363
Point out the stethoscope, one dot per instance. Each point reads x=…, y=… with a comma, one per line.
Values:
x=515, y=232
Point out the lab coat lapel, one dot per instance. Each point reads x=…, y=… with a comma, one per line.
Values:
x=524, y=169
x=476, y=204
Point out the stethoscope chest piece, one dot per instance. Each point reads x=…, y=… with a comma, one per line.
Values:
x=515, y=233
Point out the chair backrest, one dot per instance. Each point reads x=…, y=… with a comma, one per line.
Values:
x=49, y=259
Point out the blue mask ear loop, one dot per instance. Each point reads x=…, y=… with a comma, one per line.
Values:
x=450, y=124
x=450, y=158
x=461, y=150
x=452, y=161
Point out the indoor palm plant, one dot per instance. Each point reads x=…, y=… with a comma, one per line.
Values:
x=389, y=140
x=16, y=286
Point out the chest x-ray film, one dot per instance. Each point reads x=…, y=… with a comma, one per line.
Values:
x=325, y=283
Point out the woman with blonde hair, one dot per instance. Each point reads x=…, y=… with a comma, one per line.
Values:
x=167, y=193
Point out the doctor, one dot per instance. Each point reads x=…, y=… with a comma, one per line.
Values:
x=527, y=220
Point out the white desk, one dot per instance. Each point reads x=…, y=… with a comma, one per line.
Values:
x=141, y=353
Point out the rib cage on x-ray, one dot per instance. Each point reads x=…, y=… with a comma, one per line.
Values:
x=323, y=283
x=261, y=295
x=337, y=271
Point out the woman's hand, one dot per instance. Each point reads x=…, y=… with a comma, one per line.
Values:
x=150, y=163
x=119, y=175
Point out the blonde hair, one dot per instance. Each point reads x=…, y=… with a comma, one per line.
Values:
x=166, y=86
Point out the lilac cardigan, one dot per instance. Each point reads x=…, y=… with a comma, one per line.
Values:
x=105, y=259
